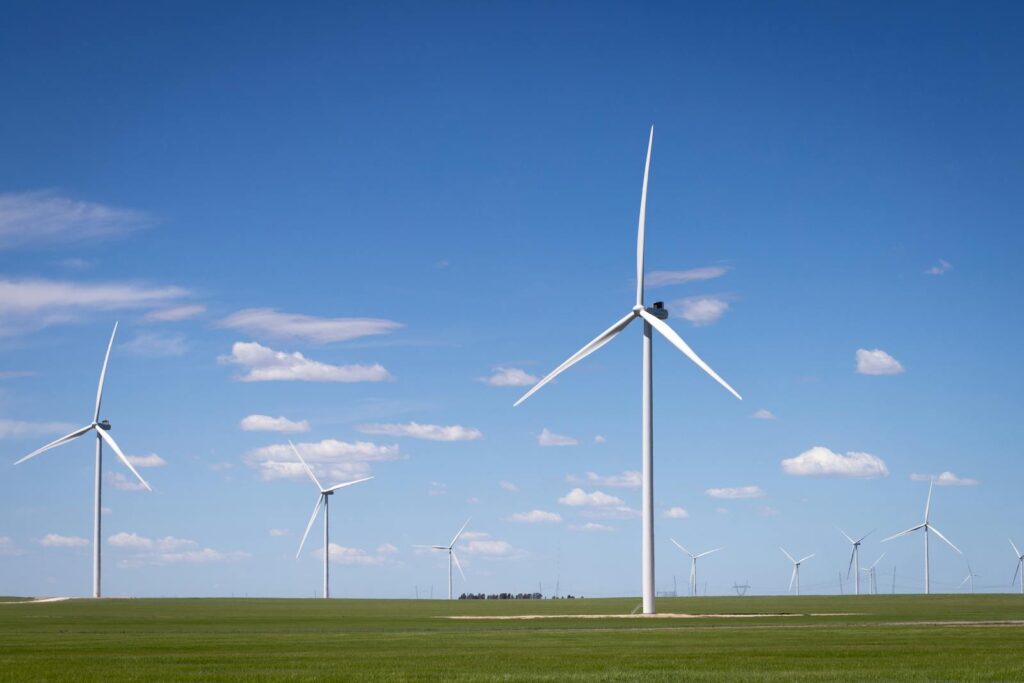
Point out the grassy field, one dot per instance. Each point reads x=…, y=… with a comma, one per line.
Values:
x=867, y=638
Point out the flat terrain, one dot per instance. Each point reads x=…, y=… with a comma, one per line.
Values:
x=867, y=638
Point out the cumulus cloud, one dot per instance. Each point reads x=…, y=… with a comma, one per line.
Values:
x=174, y=313
x=700, y=310
x=333, y=460
x=630, y=479
x=946, y=478
x=821, y=462
x=151, y=460
x=21, y=428
x=58, y=541
x=145, y=551
x=941, y=268
x=509, y=377
x=599, y=439
x=266, y=423
x=271, y=323
x=278, y=532
x=549, y=438
x=675, y=513
x=580, y=498
x=736, y=492
x=877, y=362
x=660, y=278
x=535, y=517
x=42, y=218
x=121, y=482
x=763, y=414
x=590, y=526
x=355, y=557
x=154, y=345
x=508, y=486
x=481, y=544
x=264, y=364
x=419, y=431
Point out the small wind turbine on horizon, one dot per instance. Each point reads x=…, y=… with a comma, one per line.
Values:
x=322, y=499
x=101, y=427
x=653, y=317
x=855, y=558
x=450, y=548
x=796, y=569
x=873, y=575
x=693, y=564
x=927, y=526
x=1020, y=568
x=970, y=577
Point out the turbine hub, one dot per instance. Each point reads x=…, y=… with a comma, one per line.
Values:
x=104, y=425
x=658, y=310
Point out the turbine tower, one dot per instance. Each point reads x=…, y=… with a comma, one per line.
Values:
x=855, y=558
x=927, y=526
x=693, y=564
x=102, y=429
x=1020, y=568
x=653, y=317
x=323, y=498
x=450, y=548
x=796, y=569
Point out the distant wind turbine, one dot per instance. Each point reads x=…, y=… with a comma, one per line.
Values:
x=855, y=558
x=450, y=548
x=693, y=564
x=970, y=577
x=322, y=499
x=102, y=429
x=927, y=526
x=1020, y=568
x=873, y=575
x=653, y=317
x=796, y=569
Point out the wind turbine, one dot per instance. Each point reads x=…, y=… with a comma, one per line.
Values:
x=855, y=558
x=873, y=576
x=927, y=526
x=796, y=569
x=323, y=498
x=1020, y=568
x=693, y=564
x=102, y=428
x=970, y=577
x=451, y=556
x=653, y=317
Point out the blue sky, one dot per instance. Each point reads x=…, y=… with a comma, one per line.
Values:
x=435, y=200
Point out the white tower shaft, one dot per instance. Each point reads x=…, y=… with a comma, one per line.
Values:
x=648, y=473
x=96, y=532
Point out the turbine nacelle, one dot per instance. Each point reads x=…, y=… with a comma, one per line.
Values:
x=104, y=425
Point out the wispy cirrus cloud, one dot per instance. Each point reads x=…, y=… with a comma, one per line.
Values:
x=509, y=377
x=946, y=478
x=675, y=513
x=591, y=527
x=630, y=479
x=58, y=541
x=535, y=517
x=333, y=460
x=877, y=362
x=700, y=310
x=44, y=218
x=421, y=431
x=122, y=482
x=151, y=460
x=145, y=551
x=174, y=313
x=8, y=548
x=295, y=326
x=22, y=428
x=266, y=423
x=660, y=278
x=153, y=345
x=549, y=438
x=940, y=268
x=264, y=364
x=763, y=414
x=736, y=492
x=508, y=486
x=357, y=557
x=822, y=462
x=580, y=498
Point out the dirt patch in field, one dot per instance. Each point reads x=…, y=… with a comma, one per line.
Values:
x=666, y=615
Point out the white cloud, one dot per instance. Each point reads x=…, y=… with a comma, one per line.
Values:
x=387, y=549
x=354, y=557
x=600, y=439
x=124, y=539
x=267, y=365
x=167, y=550
x=821, y=462
x=30, y=219
x=590, y=526
x=660, y=278
x=877, y=362
x=8, y=548
x=481, y=544
x=580, y=498
x=121, y=482
x=768, y=511
x=278, y=532
x=271, y=323
x=11, y=374
x=333, y=460
x=549, y=438
x=20, y=428
x=630, y=479
x=508, y=486
x=763, y=414
x=509, y=377
x=535, y=516
x=32, y=304
x=428, y=432
x=472, y=500
x=941, y=268
x=947, y=478
x=266, y=423
x=676, y=513
x=58, y=541
x=737, y=492
x=151, y=460
x=154, y=345
x=700, y=310
x=174, y=313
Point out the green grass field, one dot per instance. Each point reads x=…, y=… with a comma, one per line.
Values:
x=877, y=638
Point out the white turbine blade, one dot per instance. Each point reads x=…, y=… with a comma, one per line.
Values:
x=681, y=547
x=598, y=341
x=928, y=505
x=452, y=544
x=903, y=533
x=846, y=536
x=437, y=547
x=103, y=376
x=53, y=444
x=1017, y=571
x=120, y=454
x=850, y=567
x=787, y=554
x=806, y=558
x=347, y=483
x=948, y=542
x=459, y=566
x=792, y=577
x=677, y=341
x=308, y=470
x=966, y=579
x=640, y=228
x=1014, y=548
x=316, y=510
x=876, y=562
x=708, y=552
x=861, y=539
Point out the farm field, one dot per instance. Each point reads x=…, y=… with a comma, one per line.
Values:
x=867, y=638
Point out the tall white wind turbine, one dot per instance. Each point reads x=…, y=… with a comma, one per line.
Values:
x=102, y=429
x=322, y=499
x=855, y=558
x=654, y=319
x=795, y=576
x=1020, y=568
x=693, y=564
x=927, y=526
x=450, y=549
